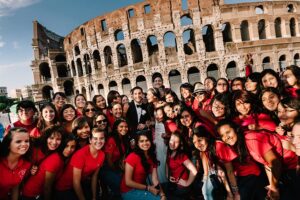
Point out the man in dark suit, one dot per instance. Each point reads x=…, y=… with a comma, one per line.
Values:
x=137, y=114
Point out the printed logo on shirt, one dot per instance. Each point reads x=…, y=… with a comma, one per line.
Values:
x=22, y=173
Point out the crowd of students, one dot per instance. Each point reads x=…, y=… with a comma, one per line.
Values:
x=237, y=139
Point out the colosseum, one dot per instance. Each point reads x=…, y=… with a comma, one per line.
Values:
x=183, y=40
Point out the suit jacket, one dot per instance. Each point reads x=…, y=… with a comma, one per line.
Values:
x=132, y=116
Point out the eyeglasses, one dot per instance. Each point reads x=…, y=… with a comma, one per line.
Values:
x=101, y=121
x=89, y=110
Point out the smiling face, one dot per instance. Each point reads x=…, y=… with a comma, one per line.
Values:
x=98, y=139
x=185, y=93
x=218, y=109
x=296, y=138
x=237, y=85
x=243, y=108
x=286, y=115
x=100, y=102
x=174, y=142
x=169, y=98
x=169, y=111
x=137, y=96
x=117, y=111
x=228, y=134
x=84, y=132
x=200, y=143
x=48, y=114
x=144, y=143
x=122, y=128
x=69, y=149
x=59, y=101
x=54, y=141
x=25, y=114
x=69, y=114
x=150, y=96
x=269, y=80
x=90, y=111
x=270, y=101
x=158, y=82
x=125, y=100
x=221, y=86
x=290, y=78
x=20, y=143
x=250, y=85
x=186, y=119
x=209, y=84
x=80, y=102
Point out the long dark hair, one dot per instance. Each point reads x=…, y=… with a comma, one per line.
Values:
x=5, y=145
x=48, y=133
x=280, y=85
x=246, y=97
x=123, y=140
x=41, y=125
x=61, y=114
x=151, y=151
x=240, y=145
x=183, y=148
x=225, y=100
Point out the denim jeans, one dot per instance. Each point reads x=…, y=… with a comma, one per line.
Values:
x=139, y=195
x=111, y=178
x=207, y=189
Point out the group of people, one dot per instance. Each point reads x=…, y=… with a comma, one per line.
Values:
x=237, y=139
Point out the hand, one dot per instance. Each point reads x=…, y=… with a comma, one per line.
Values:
x=172, y=179
x=163, y=197
x=252, y=127
x=34, y=170
x=182, y=183
x=273, y=193
x=141, y=126
x=153, y=190
x=237, y=196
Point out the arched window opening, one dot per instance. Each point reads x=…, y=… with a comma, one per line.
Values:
x=175, y=81
x=136, y=50
x=259, y=10
x=69, y=88
x=153, y=52
x=82, y=31
x=147, y=9
x=131, y=13
x=47, y=92
x=45, y=71
x=170, y=46
x=186, y=20
x=290, y=8
x=122, y=56
x=266, y=63
x=73, y=68
x=231, y=70
x=282, y=63
x=92, y=92
x=293, y=27
x=76, y=50
x=101, y=89
x=213, y=70
x=119, y=35
x=208, y=38
x=141, y=82
x=189, y=44
x=113, y=86
x=77, y=92
x=126, y=86
x=226, y=32
x=193, y=75
x=97, y=59
x=60, y=58
x=261, y=29
x=107, y=55
x=62, y=71
x=297, y=59
x=245, y=31
x=278, y=27
x=79, y=67
x=87, y=63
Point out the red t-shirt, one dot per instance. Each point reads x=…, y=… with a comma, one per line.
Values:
x=37, y=156
x=11, y=178
x=170, y=126
x=35, y=133
x=18, y=123
x=263, y=120
x=292, y=92
x=139, y=174
x=112, y=148
x=260, y=142
x=224, y=152
x=34, y=186
x=82, y=159
x=110, y=118
x=176, y=167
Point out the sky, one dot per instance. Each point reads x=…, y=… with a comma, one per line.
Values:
x=59, y=16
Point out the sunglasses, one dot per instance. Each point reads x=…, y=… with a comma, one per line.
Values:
x=101, y=121
x=89, y=110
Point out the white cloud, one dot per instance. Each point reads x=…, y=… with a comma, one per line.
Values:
x=8, y=6
x=15, y=65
